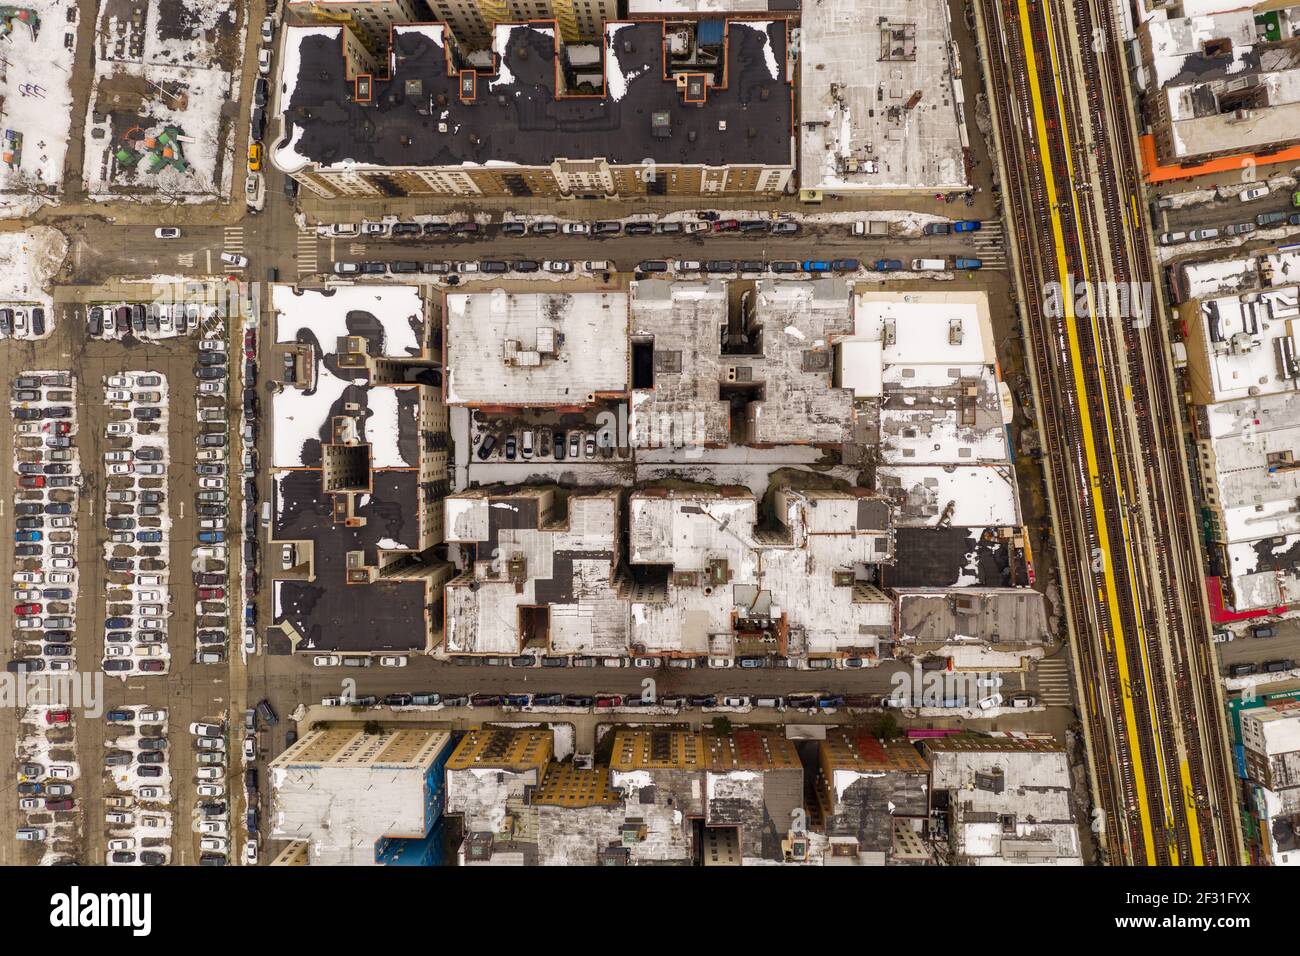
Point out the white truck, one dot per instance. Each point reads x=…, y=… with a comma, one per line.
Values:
x=870, y=227
x=929, y=265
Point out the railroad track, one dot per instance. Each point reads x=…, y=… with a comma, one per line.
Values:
x=1115, y=470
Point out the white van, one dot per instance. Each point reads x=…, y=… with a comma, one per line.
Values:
x=266, y=514
x=598, y=265
x=929, y=265
x=526, y=443
x=988, y=703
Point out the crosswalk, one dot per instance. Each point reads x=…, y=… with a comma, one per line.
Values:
x=990, y=245
x=233, y=242
x=306, y=252
x=185, y=260
x=1055, y=680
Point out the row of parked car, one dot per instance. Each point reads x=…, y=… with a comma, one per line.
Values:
x=22, y=322
x=817, y=701
x=1264, y=220
x=153, y=320
x=45, y=597
x=136, y=762
x=600, y=229
x=250, y=411
x=135, y=515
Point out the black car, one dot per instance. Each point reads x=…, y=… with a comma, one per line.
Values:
x=152, y=858
x=494, y=266
x=250, y=780
x=396, y=700
x=513, y=229
x=485, y=447
x=653, y=265
x=205, y=373
x=845, y=265
x=290, y=188
x=466, y=228
x=6, y=321
x=753, y=225
x=559, y=446
x=148, y=771
x=268, y=714
x=936, y=229
x=212, y=358
x=28, y=508
x=751, y=265
x=403, y=267
x=639, y=229
x=58, y=508
x=401, y=229
x=527, y=265
x=719, y=265
x=38, y=321
x=257, y=125
x=259, y=91
x=153, y=414
x=703, y=700
x=578, y=700
x=606, y=228
x=373, y=268
x=436, y=228
x=95, y=321
x=544, y=228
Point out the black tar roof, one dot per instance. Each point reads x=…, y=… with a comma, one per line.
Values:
x=522, y=121
x=332, y=615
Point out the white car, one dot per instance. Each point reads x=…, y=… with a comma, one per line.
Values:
x=118, y=429
x=558, y=266
x=200, y=729
x=392, y=661
x=210, y=743
x=250, y=852
x=250, y=748
x=213, y=844
x=327, y=660
x=152, y=715
x=988, y=703
x=119, y=395
x=148, y=597
x=213, y=827
x=208, y=773
x=211, y=789
x=62, y=664
x=118, y=817
x=214, y=484
x=990, y=680
x=575, y=229
x=28, y=577
x=60, y=772
x=150, y=793
x=30, y=623
x=119, y=381
x=264, y=61
x=1254, y=192
x=60, y=578
x=234, y=259
x=122, y=843
x=62, y=564
x=735, y=702
x=121, y=455
x=118, y=471
x=166, y=232
x=116, y=650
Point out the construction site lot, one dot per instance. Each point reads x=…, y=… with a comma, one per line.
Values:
x=38, y=41
x=165, y=100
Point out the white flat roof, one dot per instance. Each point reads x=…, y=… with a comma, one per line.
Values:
x=332, y=313
x=880, y=106
x=1243, y=336
x=978, y=495
x=535, y=348
x=926, y=328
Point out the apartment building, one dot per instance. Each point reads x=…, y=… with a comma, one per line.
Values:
x=1270, y=738
x=359, y=447
x=472, y=21
x=1220, y=84
x=345, y=797
x=1003, y=801
x=705, y=113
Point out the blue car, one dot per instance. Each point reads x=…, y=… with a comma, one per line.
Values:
x=967, y=263
x=844, y=265
x=148, y=537
x=27, y=536
x=212, y=537
x=117, y=716
x=117, y=623
x=966, y=225
x=889, y=265
x=250, y=614
x=816, y=265
x=58, y=508
x=517, y=700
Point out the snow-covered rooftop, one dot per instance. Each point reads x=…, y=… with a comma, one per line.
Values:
x=535, y=348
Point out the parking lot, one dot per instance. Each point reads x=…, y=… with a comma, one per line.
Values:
x=160, y=570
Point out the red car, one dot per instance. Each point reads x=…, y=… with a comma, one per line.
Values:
x=58, y=716
x=31, y=481
x=27, y=610
x=726, y=225
x=609, y=700
x=211, y=594
x=250, y=344
x=56, y=428
x=153, y=666
x=60, y=804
